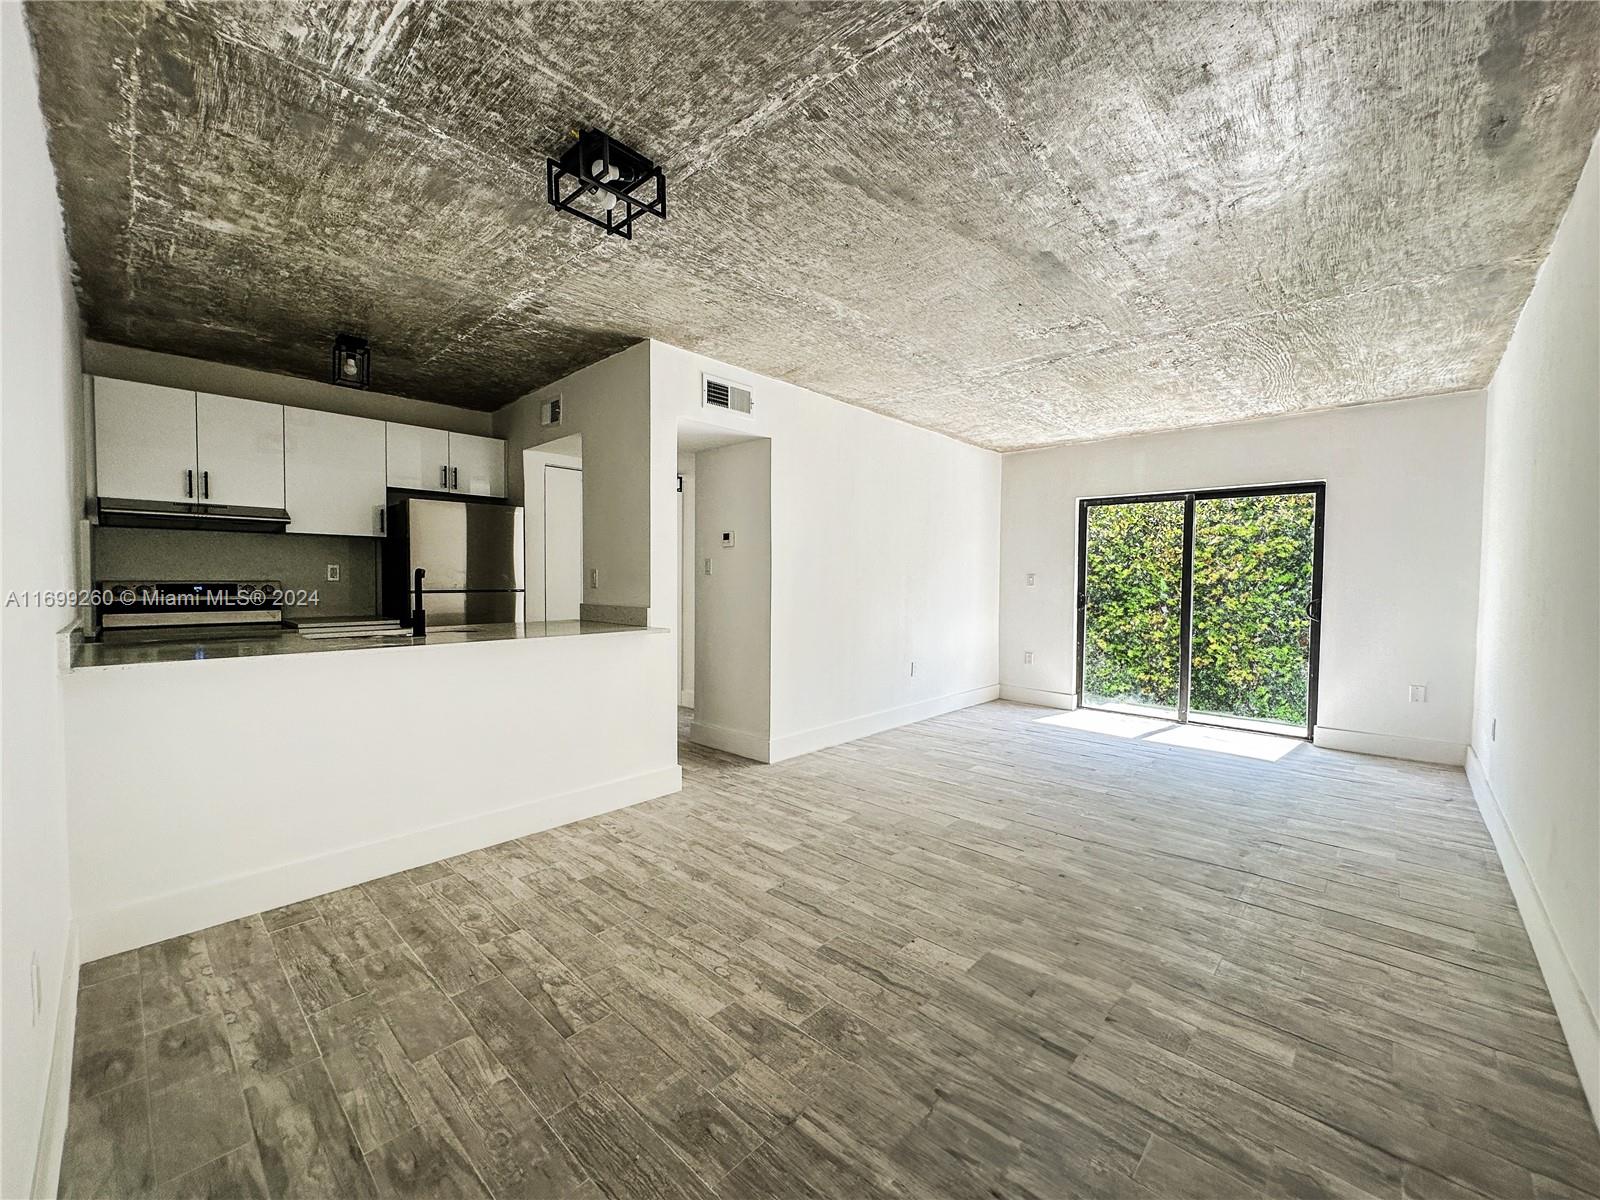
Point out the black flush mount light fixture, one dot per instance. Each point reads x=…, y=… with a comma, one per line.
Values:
x=352, y=362
x=606, y=183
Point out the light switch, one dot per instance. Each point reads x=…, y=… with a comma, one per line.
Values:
x=708, y=566
x=727, y=539
x=594, y=577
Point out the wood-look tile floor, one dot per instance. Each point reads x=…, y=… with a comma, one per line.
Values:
x=981, y=956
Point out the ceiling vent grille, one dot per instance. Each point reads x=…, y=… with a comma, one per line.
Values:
x=729, y=397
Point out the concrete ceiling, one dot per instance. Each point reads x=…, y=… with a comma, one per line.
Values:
x=1018, y=224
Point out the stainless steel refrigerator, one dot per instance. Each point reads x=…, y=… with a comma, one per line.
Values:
x=471, y=556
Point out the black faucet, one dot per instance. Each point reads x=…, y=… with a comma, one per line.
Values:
x=419, y=618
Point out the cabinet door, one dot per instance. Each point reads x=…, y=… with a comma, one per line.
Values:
x=477, y=465
x=418, y=458
x=143, y=441
x=241, y=451
x=334, y=472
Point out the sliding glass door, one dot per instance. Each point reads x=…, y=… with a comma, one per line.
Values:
x=1203, y=606
x=1133, y=606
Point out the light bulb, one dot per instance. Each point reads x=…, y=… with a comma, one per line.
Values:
x=596, y=167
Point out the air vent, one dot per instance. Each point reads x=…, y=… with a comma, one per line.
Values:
x=550, y=411
x=718, y=393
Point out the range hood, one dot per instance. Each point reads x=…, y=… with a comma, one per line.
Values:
x=168, y=514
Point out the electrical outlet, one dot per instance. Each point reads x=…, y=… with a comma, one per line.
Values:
x=333, y=572
x=1419, y=693
x=708, y=566
x=36, y=986
x=1032, y=578
x=1027, y=658
x=594, y=577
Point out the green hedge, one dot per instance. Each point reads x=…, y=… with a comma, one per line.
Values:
x=1252, y=583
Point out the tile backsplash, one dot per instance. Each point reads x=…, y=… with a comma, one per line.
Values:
x=299, y=561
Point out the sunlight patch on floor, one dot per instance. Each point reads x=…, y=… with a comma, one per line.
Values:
x=1260, y=746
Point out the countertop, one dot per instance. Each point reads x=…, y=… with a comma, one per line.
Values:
x=122, y=650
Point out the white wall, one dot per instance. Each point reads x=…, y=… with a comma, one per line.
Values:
x=205, y=791
x=40, y=476
x=884, y=551
x=1535, y=765
x=733, y=605
x=609, y=404
x=1400, y=573
x=174, y=370
x=686, y=535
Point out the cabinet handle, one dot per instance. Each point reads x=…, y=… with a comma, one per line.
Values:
x=444, y=478
x=205, y=485
x=455, y=478
x=380, y=520
x=188, y=484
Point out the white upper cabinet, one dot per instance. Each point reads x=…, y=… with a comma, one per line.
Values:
x=418, y=458
x=335, y=472
x=477, y=465
x=144, y=442
x=240, y=450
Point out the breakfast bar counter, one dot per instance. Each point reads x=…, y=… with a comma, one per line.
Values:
x=125, y=650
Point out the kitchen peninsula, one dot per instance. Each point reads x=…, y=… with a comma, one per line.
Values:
x=110, y=652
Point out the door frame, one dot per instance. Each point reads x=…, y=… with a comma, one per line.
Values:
x=1315, y=488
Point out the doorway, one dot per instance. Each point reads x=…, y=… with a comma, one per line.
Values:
x=1203, y=606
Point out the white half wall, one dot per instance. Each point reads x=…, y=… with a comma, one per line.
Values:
x=885, y=552
x=1400, y=574
x=40, y=485
x=1536, y=730
x=205, y=791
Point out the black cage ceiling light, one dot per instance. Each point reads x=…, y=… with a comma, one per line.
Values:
x=606, y=183
x=352, y=361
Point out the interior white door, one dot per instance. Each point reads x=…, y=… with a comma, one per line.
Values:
x=143, y=441
x=335, y=472
x=418, y=458
x=477, y=465
x=240, y=448
x=563, y=543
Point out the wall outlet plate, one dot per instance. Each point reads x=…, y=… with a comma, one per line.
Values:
x=1027, y=658
x=1418, y=693
x=333, y=572
x=727, y=539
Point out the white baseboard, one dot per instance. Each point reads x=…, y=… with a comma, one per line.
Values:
x=1390, y=745
x=823, y=736
x=1022, y=695
x=185, y=911
x=58, y=1090
x=743, y=742
x=1573, y=1010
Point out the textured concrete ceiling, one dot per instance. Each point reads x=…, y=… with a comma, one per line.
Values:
x=1019, y=224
